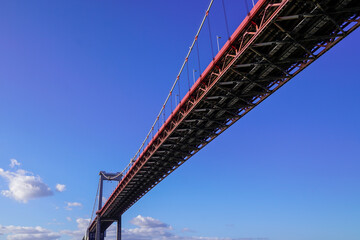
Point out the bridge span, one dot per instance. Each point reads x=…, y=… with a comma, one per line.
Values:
x=275, y=42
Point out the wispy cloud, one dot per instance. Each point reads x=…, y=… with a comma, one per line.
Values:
x=82, y=225
x=13, y=163
x=148, y=228
x=28, y=233
x=70, y=205
x=23, y=185
x=187, y=230
x=55, y=222
x=38, y=233
x=149, y=222
x=60, y=187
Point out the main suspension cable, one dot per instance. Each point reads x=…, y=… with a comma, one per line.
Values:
x=162, y=110
x=176, y=80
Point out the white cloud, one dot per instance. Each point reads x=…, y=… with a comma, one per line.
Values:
x=55, y=222
x=149, y=228
x=82, y=225
x=24, y=186
x=74, y=204
x=60, y=187
x=69, y=219
x=187, y=230
x=148, y=222
x=28, y=233
x=70, y=205
x=13, y=163
x=39, y=233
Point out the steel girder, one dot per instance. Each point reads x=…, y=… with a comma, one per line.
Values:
x=275, y=42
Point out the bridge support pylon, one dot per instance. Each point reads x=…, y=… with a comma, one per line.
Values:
x=99, y=233
x=118, y=233
x=98, y=228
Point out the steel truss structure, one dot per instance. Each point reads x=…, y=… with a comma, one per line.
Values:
x=276, y=41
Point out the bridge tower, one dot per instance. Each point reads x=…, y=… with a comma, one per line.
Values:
x=100, y=234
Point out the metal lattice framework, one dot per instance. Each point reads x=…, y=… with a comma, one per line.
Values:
x=276, y=41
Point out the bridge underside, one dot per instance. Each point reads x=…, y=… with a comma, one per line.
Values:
x=273, y=44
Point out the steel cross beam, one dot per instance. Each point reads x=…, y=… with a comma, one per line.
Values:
x=283, y=55
x=100, y=233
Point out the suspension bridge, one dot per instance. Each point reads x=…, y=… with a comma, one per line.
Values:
x=276, y=41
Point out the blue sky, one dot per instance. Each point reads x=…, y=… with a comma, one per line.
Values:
x=81, y=82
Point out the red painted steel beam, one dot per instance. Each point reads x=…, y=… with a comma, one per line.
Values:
x=205, y=84
x=186, y=98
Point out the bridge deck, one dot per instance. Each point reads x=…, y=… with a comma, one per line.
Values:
x=276, y=41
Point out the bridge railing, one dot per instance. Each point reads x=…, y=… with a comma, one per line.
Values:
x=168, y=105
x=173, y=98
x=190, y=70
